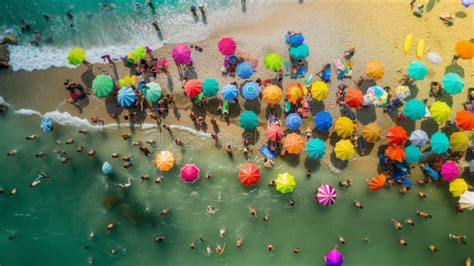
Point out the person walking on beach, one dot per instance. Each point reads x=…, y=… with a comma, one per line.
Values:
x=229, y=151
x=194, y=12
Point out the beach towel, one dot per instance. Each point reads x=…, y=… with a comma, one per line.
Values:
x=249, y=57
x=266, y=152
x=327, y=74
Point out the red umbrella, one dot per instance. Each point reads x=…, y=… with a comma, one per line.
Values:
x=274, y=133
x=397, y=136
x=193, y=87
x=249, y=174
x=395, y=153
x=354, y=98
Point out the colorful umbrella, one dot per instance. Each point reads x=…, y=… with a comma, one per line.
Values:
x=227, y=46
x=244, y=70
x=413, y=154
x=295, y=39
x=76, y=56
x=344, y=127
x=371, y=133
x=419, y=138
x=450, y=171
x=397, y=136
x=250, y=90
x=458, y=187
x=466, y=201
x=440, y=112
x=334, y=258
x=274, y=133
x=319, y=90
x=164, y=161
x=248, y=120
x=152, y=92
x=326, y=195
x=374, y=70
x=189, y=173
x=464, y=49
x=294, y=143
x=273, y=62
x=459, y=142
x=293, y=121
x=465, y=120
x=249, y=174
x=377, y=182
x=272, y=94
x=299, y=52
x=126, y=97
x=344, y=149
x=439, y=143
x=285, y=183
x=395, y=153
x=354, y=98
x=230, y=92
x=417, y=70
x=106, y=168
x=181, y=54
x=376, y=95
x=452, y=83
x=210, y=87
x=316, y=148
x=323, y=121
x=102, y=85
x=193, y=88
x=414, y=109
x=295, y=93
x=139, y=53
x=46, y=124
x=402, y=92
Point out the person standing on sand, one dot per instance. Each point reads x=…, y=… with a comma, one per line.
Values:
x=229, y=151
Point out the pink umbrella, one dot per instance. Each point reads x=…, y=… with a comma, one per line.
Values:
x=326, y=195
x=334, y=258
x=274, y=133
x=189, y=173
x=227, y=46
x=181, y=54
x=450, y=171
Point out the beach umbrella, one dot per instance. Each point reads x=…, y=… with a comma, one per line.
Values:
x=189, y=173
x=439, y=143
x=128, y=81
x=354, y=98
x=274, y=133
x=397, y=136
x=450, y=171
x=293, y=121
x=272, y=94
x=377, y=182
x=440, y=112
x=227, y=46
x=295, y=39
x=374, y=70
x=344, y=127
x=458, y=187
x=376, y=95
x=319, y=90
x=102, y=85
x=126, y=97
x=299, y=52
x=295, y=93
x=164, y=161
x=434, y=58
x=273, y=61
x=285, y=183
x=106, y=168
x=139, y=53
x=417, y=70
x=294, y=143
x=316, y=148
x=152, y=92
x=323, y=121
x=181, y=54
x=371, y=133
x=76, y=56
x=334, y=258
x=419, y=138
x=459, y=142
x=244, y=70
x=46, y=124
x=464, y=49
x=230, y=92
x=414, y=109
x=395, y=153
x=344, y=149
x=249, y=174
x=325, y=195
x=250, y=90
x=248, y=120
x=466, y=201
x=412, y=153
x=402, y=92
x=193, y=88
x=210, y=87
x=452, y=83
x=465, y=120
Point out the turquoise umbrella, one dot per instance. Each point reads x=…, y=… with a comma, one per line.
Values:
x=210, y=87
x=414, y=109
x=452, y=83
x=417, y=70
x=102, y=85
x=152, y=92
x=412, y=153
x=300, y=52
x=439, y=143
x=316, y=148
x=248, y=120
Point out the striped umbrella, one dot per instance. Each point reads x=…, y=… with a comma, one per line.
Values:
x=126, y=97
x=326, y=195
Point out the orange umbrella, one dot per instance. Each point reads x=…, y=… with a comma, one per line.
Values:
x=272, y=94
x=164, y=161
x=374, y=70
x=354, y=98
x=465, y=120
x=395, y=153
x=377, y=182
x=295, y=93
x=294, y=143
x=464, y=49
x=397, y=136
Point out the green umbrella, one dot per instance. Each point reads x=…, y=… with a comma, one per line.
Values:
x=452, y=83
x=139, y=53
x=102, y=85
x=76, y=56
x=273, y=62
x=152, y=92
x=300, y=52
x=414, y=109
x=248, y=120
x=210, y=87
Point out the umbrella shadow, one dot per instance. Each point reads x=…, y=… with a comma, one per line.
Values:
x=253, y=105
x=413, y=90
x=311, y=164
x=429, y=126
x=234, y=110
x=368, y=149
x=316, y=106
x=292, y=159
x=81, y=103
x=366, y=115
x=333, y=139
x=87, y=78
x=112, y=108
x=338, y=163
x=455, y=68
x=190, y=73
x=212, y=104
x=252, y=136
x=366, y=84
x=445, y=97
x=321, y=135
x=407, y=124
x=277, y=111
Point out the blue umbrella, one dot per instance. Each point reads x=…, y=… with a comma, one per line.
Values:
x=244, y=70
x=250, y=90
x=417, y=70
x=413, y=154
x=126, y=97
x=106, y=168
x=46, y=124
x=316, y=148
x=229, y=92
x=295, y=39
x=439, y=143
x=323, y=121
x=293, y=121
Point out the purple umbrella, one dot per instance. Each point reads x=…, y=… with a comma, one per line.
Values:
x=189, y=173
x=181, y=54
x=334, y=258
x=326, y=195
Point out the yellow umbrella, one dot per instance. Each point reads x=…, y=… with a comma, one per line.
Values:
x=459, y=141
x=344, y=127
x=371, y=133
x=344, y=149
x=272, y=94
x=374, y=70
x=76, y=56
x=440, y=112
x=319, y=90
x=294, y=143
x=128, y=81
x=458, y=186
x=164, y=161
x=285, y=183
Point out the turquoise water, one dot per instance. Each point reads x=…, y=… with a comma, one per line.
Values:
x=51, y=222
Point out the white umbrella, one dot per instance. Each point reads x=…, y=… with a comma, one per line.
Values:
x=419, y=138
x=466, y=201
x=434, y=58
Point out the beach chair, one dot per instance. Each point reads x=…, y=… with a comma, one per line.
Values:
x=266, y=152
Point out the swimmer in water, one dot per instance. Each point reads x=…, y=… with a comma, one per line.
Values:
x=291, y=202
x=270, y=248
x=220, y=249
x=83, y=131
x=297, y=250
x=397, y=224
x=239, y=242
x=126, y=136
x=222, y=232
x=459, y=238
x=266, y=218
x=80, y=149
x=31, y=137
x=208, y=251
x=164, y=212
x=69, y=141
x=192, y=246
x=12, y=153
x=159, y=239
x=357, y=204
x=424, y=215
x=433, y=248
x=345, y=183
x=403, y=242
x=421, y=195
x=91, y=235
x=211, y=210
x=40, y=154
x=409, y=221
x=342, y=240
x=126, y=185
x=253, y=212
x=109, y=227
x=91, y=153
x=115, y=155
